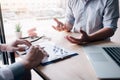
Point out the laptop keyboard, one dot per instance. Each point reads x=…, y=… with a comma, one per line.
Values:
x=114, y=53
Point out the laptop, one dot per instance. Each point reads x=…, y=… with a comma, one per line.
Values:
x=105, y=60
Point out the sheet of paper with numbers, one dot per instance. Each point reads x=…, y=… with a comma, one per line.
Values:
x=56, y=53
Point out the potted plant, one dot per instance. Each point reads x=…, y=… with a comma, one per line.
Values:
x=18, y=30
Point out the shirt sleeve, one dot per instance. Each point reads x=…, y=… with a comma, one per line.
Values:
x=111, y=14
x=69, y=13
x=18, y=70
x=12, y=72
x=6, y=74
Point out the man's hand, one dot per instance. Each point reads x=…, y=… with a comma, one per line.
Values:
x=16, y=44
x=83, y=39
x=33, y=57
x=60, y=26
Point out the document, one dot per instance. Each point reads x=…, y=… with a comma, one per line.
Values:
x=56, y=53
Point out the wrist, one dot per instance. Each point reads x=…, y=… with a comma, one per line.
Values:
x=89, y=38
x=3, y=47
x=26, y=64
x=92, y=38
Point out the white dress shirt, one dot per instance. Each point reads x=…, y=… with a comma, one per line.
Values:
x=92, y=15
x=6, y=74
x=12, y=72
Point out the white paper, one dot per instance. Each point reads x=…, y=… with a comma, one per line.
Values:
x=54, y=52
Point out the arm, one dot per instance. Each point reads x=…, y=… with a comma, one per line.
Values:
x=6, y=72
x=15, y=46
x=69, y=20
x=17, y=70
x=11, y=72
x=97, y=36
x=101, y=34
x=110, y=18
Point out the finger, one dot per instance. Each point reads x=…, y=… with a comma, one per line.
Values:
x=57, y=28
x=30, y=52
x=27, y=43
x=56, y=20
x=75, y=42
x=36, y=49
x=65, y=28
x=59, y=24
x=44, y=52
x=40, y=52
x=20, y=41
x=40, y=49
x=31, y=49
x=72, y=40
x=21, y=48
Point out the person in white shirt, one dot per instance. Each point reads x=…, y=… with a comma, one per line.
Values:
x=94, y=19
x=17, y=70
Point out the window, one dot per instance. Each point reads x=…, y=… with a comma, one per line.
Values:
x=0, y=59
x=3, y=55
x=30, y=13
x=17, y=9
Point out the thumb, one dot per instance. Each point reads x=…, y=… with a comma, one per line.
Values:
x=19, y=49
x=83, y=32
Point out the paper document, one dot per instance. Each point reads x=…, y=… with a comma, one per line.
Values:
x=55, y=53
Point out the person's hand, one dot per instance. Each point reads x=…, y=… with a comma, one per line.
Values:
x=33, y=57
x=60, y=26
x=15, y=45
x=83, y=39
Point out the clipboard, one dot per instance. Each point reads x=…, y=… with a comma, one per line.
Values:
x=56, y=53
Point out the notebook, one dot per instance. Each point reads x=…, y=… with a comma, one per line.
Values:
x=105, y=60
x=56, y=53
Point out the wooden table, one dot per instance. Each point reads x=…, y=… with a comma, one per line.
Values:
x=74, y=68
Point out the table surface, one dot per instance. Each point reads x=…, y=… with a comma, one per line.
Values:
x=74, y=68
